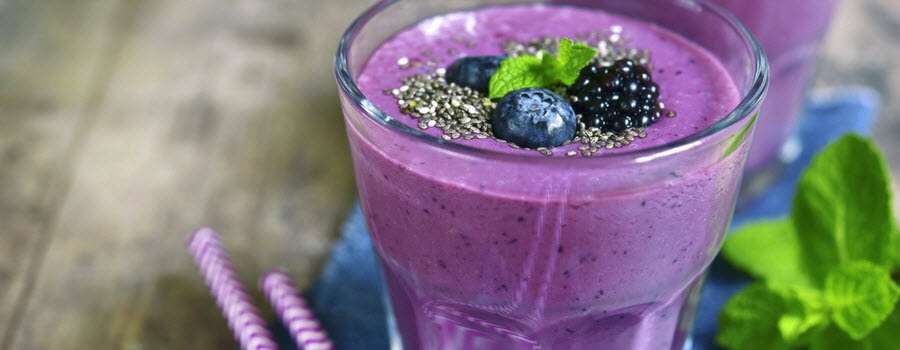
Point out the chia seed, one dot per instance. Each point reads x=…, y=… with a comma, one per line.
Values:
x=461, y=112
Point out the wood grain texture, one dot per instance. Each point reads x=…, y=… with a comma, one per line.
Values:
x=48, y=81
x=125, y=124
x=204, y=113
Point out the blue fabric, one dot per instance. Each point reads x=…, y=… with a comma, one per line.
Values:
x=347, y=297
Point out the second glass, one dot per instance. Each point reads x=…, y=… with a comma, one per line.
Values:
x=790, y=33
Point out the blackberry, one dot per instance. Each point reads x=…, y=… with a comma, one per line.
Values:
x=617, y=97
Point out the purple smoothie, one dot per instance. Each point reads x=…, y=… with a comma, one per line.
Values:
x=790, y=32
x=489, y=247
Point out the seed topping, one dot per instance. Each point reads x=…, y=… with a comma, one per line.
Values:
x=463, y=113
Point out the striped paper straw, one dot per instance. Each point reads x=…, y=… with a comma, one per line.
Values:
x=243, y=318
x=293, y=311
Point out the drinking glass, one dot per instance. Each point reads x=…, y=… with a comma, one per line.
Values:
x=483, y=249
x=791, y=43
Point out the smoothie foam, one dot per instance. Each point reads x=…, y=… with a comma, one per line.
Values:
x=510, y=249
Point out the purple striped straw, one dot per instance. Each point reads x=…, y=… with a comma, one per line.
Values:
x=243, y=318
x=293, y=311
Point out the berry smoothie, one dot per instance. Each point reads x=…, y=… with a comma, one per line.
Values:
x=790, y=32
x=487, y=246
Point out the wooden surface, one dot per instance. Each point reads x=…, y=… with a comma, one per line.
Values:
x=125, y=124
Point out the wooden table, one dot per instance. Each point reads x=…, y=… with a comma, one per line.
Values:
x=125, y=124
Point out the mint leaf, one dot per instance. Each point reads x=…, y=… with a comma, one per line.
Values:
x=573, y=57
x=749, y=320
x=768, y=250
x=861, y=295
x=825, y=272
x=806, y=310
x=530, y=71
x=843, y=207
x=833, y=338
x=516, y=73
x=883, y=337
x=897, y=252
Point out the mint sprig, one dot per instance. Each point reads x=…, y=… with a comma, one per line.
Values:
x=545, y=71
x=861, y=296
x=823, y=274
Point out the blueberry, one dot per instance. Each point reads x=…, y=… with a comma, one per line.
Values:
x=534, y=117
x=473, y=71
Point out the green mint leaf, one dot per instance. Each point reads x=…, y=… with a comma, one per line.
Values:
x=530, y=71
x=897, y=252
x=833, y=338
x=824, y=274
x=749, y=320
x=807, y=311
x=883, y=337
x=861, y=295
x=550, y=67
x=516, y=73
x=843, y=207
x=573, y=57
x=768, y=250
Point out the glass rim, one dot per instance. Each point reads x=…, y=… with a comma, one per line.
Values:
x=748, y=104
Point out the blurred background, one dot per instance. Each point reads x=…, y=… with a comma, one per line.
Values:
x=125, y=124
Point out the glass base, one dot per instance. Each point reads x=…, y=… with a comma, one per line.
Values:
x=683, y=337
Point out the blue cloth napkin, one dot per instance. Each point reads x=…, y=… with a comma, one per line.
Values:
x=347, y=297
